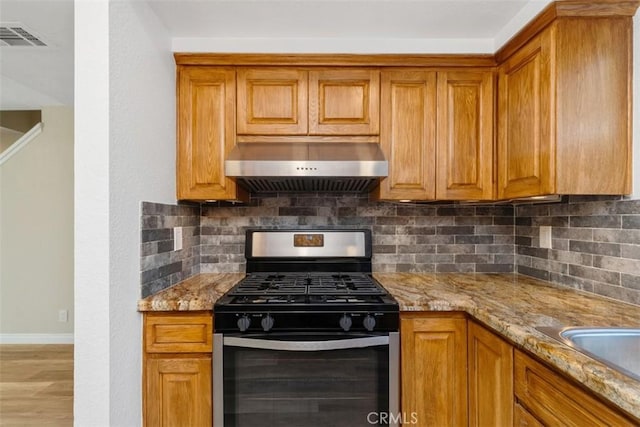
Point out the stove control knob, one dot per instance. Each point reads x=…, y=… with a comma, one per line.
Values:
x=345, y=322
x=243, y=323
x=267, y=323
x=369, y=322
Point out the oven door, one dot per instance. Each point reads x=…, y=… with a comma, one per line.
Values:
x=305, y=379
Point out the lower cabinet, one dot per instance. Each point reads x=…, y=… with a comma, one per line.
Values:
x=553, y=400
x=434, y=369
x=490, y=378
x=177, y=369
x=456, y=373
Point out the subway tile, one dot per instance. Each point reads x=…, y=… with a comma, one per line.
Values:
x=610, y=249
x=617, y=236
x=416, y=249
x=455, y=249
x=609, y=221
x=595, y=274
x=631, y=281
x=494, y=268
x=631, y=221
x=384, y=249
x=455, y=268
x=630, y=251
x=503, y=220
x=624, y=294
x=494, y=249
x=297, y=211
x=156, y=234
x=622, y=265
x=473, y=220
x=533, y=272
x=455, y=211
x=474, y=258
x=434, y=220
x=473, y=239
x=533, y=252
x=442, y=239
x=494, y=229
x=462, y=229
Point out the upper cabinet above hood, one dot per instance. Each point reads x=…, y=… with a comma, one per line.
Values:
x=291, y=166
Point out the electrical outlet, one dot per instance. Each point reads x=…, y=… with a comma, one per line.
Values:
x=177, y=238
x=63, y=315
x=545, y=236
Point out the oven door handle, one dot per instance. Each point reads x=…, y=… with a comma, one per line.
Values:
x=266, y=344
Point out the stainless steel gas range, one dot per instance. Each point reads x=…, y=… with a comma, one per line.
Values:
x=309, y=337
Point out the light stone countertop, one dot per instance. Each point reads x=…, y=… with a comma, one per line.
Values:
x=510, y=304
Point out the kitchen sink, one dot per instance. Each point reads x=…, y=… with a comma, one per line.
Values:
x=618, y=348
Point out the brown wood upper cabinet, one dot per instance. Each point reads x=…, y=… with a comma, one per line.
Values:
x=315, y=102
x=272, y=101
x=437, y=134
x=206, y=133
x=564, y=110
x=465, y=135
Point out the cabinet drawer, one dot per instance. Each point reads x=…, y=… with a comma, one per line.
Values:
x=178, y=333
x=555, y=401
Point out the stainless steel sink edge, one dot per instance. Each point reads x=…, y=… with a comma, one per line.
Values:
x=559, y=334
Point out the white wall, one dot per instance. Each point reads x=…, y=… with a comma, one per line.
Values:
x=36, y=235
x=127, y=156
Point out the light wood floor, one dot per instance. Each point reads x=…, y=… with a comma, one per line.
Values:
x=36, y=385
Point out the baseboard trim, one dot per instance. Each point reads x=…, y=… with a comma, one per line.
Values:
x=36, y=338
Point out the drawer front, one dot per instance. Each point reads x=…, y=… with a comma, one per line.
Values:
x=178, y=333
x=555, y=401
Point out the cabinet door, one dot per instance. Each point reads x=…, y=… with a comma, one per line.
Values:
x=408, y=132
x=555, y=401
x=434, y=366
x=490, y=378
x=344, y=102
x=206, y=133
x=465, y=136
x=178, y=392
x=522, y=418
x=526, y=146
x=272, y=101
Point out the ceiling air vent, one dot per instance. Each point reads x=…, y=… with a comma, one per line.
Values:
x=15, y=34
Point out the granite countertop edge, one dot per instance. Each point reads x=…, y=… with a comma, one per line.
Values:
x=512, y=305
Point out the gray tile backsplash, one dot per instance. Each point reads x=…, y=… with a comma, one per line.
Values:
x=595, y=245
x=160, y=265
x=595, y=240
x=406, y=238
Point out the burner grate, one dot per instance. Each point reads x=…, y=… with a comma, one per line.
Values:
x=308, y=283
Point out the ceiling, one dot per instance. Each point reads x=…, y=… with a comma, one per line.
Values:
x=32, y=77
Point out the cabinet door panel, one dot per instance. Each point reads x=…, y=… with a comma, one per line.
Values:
x=555, y=401
x=526, y=146
x=407, y=135
x=206, y=133
x=179, y=392
x=490, y=378
x=344, y=102
x=434, y=361
x=465, y=136
x=272, y=102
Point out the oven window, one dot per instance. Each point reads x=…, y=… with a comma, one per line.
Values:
x=305, y=388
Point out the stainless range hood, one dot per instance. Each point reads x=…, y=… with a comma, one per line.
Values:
x=291, y=166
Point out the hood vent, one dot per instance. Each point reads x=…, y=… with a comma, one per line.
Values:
x=15, y=34
x=298, y=167
x=337, y=185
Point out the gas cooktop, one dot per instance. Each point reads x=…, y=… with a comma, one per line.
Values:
x=307, y=280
